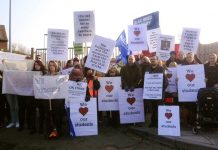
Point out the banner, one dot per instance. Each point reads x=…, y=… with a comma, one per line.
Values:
x=57, y=44
x=137, y=40
x=152, y=38
x=84, y=26
x=76, y=90
x=78, y=48
x=50, y=87
x=165, y=46
x=108, y=93
x=171, y=74
x=168, y=120
x=66, y=71
x=18, y=82
x=100, y=54
x=22, y=65
x=131, y=106
x=151, y=20
x=11, y=56
x=83, y=116
x=190, y=40
x=190, y=79
x=153, y=86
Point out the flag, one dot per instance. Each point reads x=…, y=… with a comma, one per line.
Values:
x=123, y=47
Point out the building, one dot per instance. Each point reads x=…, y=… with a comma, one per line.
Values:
x=3, y=38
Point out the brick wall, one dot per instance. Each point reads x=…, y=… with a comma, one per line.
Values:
x=3, y=45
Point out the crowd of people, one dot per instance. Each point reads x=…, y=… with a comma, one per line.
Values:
x=16, y=109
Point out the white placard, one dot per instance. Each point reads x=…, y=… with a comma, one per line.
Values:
x=152, y=38
x=76, y=90
x=137, y=37
x=165, y=46
x=190, y=40
x=83, y=116
x=190, y=79
x=57, y=44
x=171, y=74
x=84, y=26
x=153, y=86
x=18, y=82
x=108, y=93
x=100, y=54
x=66, y=71
x=168, y=120
x=131, y=106
x=50, y=87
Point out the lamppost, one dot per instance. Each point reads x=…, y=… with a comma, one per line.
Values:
x=44, y=39
x=10, y=50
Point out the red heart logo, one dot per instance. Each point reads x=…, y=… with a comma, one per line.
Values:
x=190, y=77
x=109, y=88
x=131, y=100
x=169, y=75
x=83, y=111
x=136, y=33
x=168, y=115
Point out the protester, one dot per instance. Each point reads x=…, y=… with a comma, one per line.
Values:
x=156, y=68
x=130, y=75
x=69, y=64
x=53, y=108
x=172, y=58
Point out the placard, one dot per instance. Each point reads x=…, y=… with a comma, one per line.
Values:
x=83, y=116
x=108, y=93
x=171, y=74
x=168, y=120
x=131, y=106
x=152, y=38
x=100, y=54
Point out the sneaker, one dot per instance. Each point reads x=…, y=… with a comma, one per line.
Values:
x=17, y=125
x=10, y=125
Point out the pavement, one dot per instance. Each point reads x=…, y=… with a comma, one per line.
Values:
x=206, y=139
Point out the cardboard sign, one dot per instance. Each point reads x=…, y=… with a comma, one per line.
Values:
x=131, y=106
x=100, y=54
x=168, y=120
x=78, y=48
x=171, y=74
x=50, y=87
x=152, y=38
x=165, y=46
x=190, y=40
x=137, y=37
x=57, y=44
x=18, y=82
x=76, y=90
x=84, y=26
x=153, y=86
x=83, y=116
x=108, y=93
x=190, y=79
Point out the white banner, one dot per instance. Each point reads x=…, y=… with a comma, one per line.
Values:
x=153, y=86
x=100, y=54
x=190, y=40
x=50, y=87
x=108, y=93
x=84, y=26
x=171, y=74
x=18, y=82
x=83, y=116
x=131, y=106
x=57, y=44
x=165, y=45
x=190, y=79
x=168, y=120
x=152, y=38
x=66, y=71
x=22, y=65
x=76, y=90
x=137, y=37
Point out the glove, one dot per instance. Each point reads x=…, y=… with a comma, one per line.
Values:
x=87, y=98
x=126, y=88
x=131, y=89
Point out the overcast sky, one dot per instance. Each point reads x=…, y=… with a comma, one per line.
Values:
x=32, y=18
